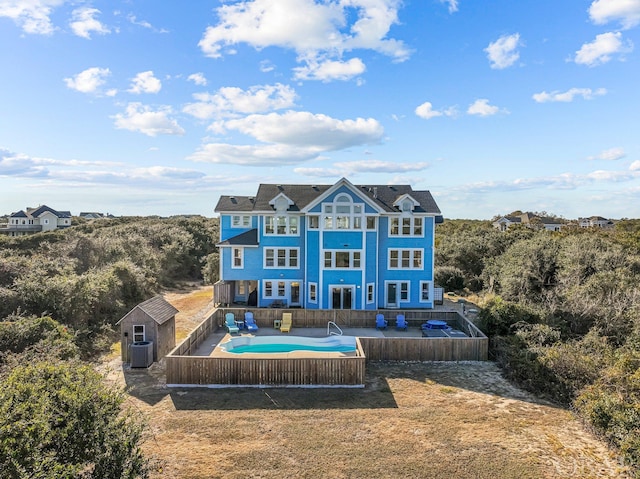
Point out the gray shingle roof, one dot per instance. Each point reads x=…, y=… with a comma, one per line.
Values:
x=158, y=309
x=248, y=238
x=302, y=195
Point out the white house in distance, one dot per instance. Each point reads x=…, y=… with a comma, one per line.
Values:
x=36, y=220
x=595, y=222
x=530, y=220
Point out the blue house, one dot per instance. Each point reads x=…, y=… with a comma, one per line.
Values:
x=337, y=246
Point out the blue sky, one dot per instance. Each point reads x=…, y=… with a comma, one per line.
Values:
x=150, y=107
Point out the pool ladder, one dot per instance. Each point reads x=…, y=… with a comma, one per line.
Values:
x=329, y=332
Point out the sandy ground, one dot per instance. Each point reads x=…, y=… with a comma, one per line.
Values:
x=426, y=420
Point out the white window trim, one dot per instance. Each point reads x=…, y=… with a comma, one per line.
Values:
x=315, y=287
x=411, y=259
x=400, y=300
x=233, y=257
x=412, y=226
x=333, y=259
x=144, y=333
x=244, y=221
x=372, y=287
x=330, y=210
x=275, y=258
x=264, y=289
x=287, y=227
x=429, y=285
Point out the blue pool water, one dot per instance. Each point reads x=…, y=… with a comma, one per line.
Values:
x=287, y=344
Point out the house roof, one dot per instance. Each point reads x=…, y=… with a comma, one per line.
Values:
x=36, y=212
x=157, y=308
x=302, y=195
x=19, y=214
x=248, y=238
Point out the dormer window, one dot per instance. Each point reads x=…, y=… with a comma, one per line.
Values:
x=407, y=205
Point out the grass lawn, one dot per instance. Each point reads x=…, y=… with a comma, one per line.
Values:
x=412, y=420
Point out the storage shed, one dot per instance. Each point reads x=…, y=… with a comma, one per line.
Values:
x=153, y=321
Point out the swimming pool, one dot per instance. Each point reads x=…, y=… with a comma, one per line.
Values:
x=287, y=344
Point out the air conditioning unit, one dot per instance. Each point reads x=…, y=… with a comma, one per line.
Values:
x=141, y=354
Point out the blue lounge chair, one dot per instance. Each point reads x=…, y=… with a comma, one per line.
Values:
x=230, y=323
x=401, y=323
x=249, y=322
x=381, y=323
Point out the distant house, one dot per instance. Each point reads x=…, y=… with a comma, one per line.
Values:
x=36, y=220
x=595, y=222
x=153, y=320
x=530, y=220
x=339, y=246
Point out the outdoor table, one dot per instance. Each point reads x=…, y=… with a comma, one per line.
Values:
x=435, y=324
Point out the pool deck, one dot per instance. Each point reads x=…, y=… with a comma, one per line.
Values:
x=208, y=346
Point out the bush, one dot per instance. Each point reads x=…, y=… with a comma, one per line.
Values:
x=61, y=421
x=449, y=277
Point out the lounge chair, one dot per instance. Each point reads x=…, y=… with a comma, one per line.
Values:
x=285, y=327
x=249, y=322
x=401, y=323
x=230, y=323
x=381, y=323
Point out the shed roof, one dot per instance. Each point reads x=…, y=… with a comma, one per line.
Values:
x=157, y=308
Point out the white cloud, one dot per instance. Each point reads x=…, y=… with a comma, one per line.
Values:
x=89, y=80
x=145, y=82
x=481, y=107
x=377, y=166
x=330, y=70
x=503, y=52
x=453, y=5
x=635, y=166
x=197, y=78
x=84, y=22
x=426, y=111
x=569, y=95
x=231, y=100
x=600, y=50
x=291, y=137
x=32, y=16
x=317, y=31
x=304, y=129
x=257, y=155
x=612, y=154
x=626, y=11
x=138, y=117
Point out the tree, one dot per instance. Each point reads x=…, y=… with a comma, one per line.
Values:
x=59, y=420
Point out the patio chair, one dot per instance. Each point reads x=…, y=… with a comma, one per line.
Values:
x=285, y=327
x=401, y=323
x=381, y=323
x=249, y=322
x=230, y=323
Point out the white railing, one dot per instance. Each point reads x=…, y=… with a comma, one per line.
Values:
x=329, y=332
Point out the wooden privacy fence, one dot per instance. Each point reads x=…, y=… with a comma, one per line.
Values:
x=184, y=368
x=201, y=371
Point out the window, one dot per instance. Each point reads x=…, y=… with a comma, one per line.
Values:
x=241, y=288
x=342, y=259
x=268, y=289
x=370, y=294
x=281, y=290
x=238, y=221
x=342, y=214
x=406, y=226
x=404, y=291
x=238, y=258
x=313, y=292
x=281, y=257
x=314, y=222
x=138, y=333
x=371, y=222
x=405, y=259
x=425, y=286
x=281, y=225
